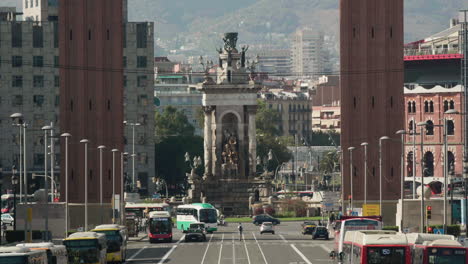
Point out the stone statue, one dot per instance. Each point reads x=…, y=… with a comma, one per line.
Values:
x=229, y=60
x=230, y=41
x=230, y=156
x=244, y=50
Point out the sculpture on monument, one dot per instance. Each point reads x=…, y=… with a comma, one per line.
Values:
x=230, y=42
x=230, y=156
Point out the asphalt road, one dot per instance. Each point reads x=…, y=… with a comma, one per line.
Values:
x=287, y=246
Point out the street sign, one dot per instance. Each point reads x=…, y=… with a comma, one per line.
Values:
x=438, y=231
x=370, y=209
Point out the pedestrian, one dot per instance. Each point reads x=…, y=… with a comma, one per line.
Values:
x=332, y=218
x=240, y=228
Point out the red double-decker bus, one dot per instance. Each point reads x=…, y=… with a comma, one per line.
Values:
x=436, y=249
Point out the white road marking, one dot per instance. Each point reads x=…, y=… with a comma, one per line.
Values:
x=284, y=239
x=233, y=251
x=327, y=249
x=167, y=255
x=180, y=240
x=220, y=250
x=138, y=252
x=300, y=254
x=206, y=250
x=246, y=251
x=261, y=251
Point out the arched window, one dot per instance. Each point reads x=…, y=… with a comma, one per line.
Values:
x=450, y=128
x=428, y=164
x=430, y=128
x=426, y=106
x=409, y=164
x=373, y=101
x=409, y=107
x=431, y=107
x=411, y=126
x=446, y=106
x=414, y=107
x=452, y=104
x=451, y=163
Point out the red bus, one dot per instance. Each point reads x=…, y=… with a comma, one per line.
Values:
x=436, y=249
x=375, y=247
x=159, y=226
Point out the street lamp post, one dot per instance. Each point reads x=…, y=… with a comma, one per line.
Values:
x=422, y=125
x=14, y=183
x=350, y=149
x=133, y=125
x=380, y=172
x=122, y=183
x=17, y=119
x=52, y=161
x=85, y=141
x=365, y=144
x=113, y=184
x=66, y=136
x=340, y=152
x=402, y=171
x=101, y=149
x=46, y=187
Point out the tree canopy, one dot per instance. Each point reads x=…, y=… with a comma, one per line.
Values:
x=172, y=122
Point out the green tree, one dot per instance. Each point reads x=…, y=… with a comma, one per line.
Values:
x=172, y=122
x=330, y=162
x=267, y=120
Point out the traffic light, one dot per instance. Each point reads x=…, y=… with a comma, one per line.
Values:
x=429, y=230
x=428, y=212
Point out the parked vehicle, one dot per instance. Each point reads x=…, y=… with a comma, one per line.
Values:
x=259, y=219
x=56, y=254
x=320, y=232
x=196, y=232
x=267, y=227
x=7, y=219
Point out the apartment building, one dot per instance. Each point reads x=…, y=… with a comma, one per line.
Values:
x=307, y=52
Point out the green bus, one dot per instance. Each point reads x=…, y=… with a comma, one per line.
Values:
x=197, y=212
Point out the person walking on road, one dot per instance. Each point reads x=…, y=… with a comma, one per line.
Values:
x=240, y=228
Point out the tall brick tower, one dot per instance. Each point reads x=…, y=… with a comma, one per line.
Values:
x=91, y=92
x=372, y=95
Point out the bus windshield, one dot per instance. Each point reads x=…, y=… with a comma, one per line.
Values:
x=14, y=260
x=446, y=256
x=361, y=224
x=160, y=226
x=385, y=255
x=83, y=255
x=114, y=239
x=208, y=216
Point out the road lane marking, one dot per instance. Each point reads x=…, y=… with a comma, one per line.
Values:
x=233, y=251
x=138, y=252
x=246, y=251
x=300, y=254
x=220, y=250
x=206, y=250
x=284, y=239
x=167, y=254
x=325, y=248
x=261, y=251
x=180, y=240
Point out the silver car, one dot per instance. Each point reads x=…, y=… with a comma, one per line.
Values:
x=267, y=227
x=7, y=219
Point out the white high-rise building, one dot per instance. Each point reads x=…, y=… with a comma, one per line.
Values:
x=308, y=57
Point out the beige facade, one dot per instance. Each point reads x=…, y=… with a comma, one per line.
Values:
x=307, y=53
x=40, y=10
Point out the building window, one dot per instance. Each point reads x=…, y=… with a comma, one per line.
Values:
x=409, y=162
x=16, y=35
x=71, y=34
x=71, y=105
x=89, y=34
x=16, y=61
x=125, y=81
x=141, y=62
x=57, y=81
x=414, y=107
x=450, y=128
x=428, y=164
x=354, y=102
x=446, y=106
x=372, y=32
x=452, y=104
x=17, y=81
x=17, y=100
x=410, y=110
x=143, y=99
x=38, y=100
x=38, y=39
x=354, y=32
x=56, y=61
x=391, y=32
x=124, y=61
x=391, y=101
x=56, y=35
x=37, y=2
x=430, y=128
x=38, y=81
x=451, y=163
x=373, y=101
x=431, y=107
x=57, y=100
x=411, y=126
x=143, y=158
x=142, y=30
x=141, y=81
x=142, y=119
x=426, y=106
x=38, y=61
x=108, y=35
x=26, y=3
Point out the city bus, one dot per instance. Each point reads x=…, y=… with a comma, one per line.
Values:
x=139, y=208
x=375, y=247
x=354, y=223
x=86, y=248
x=159, y=226
x=197, y=212
x=436, y=249
x=22, y=255
x=56, y=254
x=8, y=202
x=116, y=242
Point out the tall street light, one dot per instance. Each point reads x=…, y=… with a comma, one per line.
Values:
x=380, y=172
x=122, y=184
x=340, y=153
x=85, y=141
x=402, y=171
x=46, y=187
x=14, y=183
x=365, y=144
x=113, y=184
x=350, y=149
x=421, y=227
x=66, y=136
x=101, y=149
x=133, y=125
x=17, y=119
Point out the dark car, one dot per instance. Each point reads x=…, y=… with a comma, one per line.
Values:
x=320, y=232
x=195, y=235
x=259, y=219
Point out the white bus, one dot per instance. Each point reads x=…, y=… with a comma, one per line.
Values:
x=197, y=212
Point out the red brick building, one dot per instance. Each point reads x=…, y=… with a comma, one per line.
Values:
x=371, y=36
x=91, y=92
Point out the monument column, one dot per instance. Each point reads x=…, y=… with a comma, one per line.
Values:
x=208, y=141
x=252, y=111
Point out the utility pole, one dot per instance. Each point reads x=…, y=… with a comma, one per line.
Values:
x=463, y=19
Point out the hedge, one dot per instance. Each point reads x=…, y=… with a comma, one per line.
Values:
x=12, y=236
x=451, y=229
x=394, y=228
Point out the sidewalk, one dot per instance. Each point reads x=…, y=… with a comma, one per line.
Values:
x=140, y=237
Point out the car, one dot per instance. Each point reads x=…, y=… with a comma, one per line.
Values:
x=7, y=219
x=259, y=219
x=320, y=232
x=267, y=227
x=196, y=232
x=306, y=223
x=308, y=229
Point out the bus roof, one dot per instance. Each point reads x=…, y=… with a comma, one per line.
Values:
x=146, y=205
x=36, y=245
x=85, y=235
x=156, y=214
x=420, y=238
x=376, y=237
x=197, y=206
x=349, y=217
x=107, y=227
x=443, y=243
x=14, y=250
